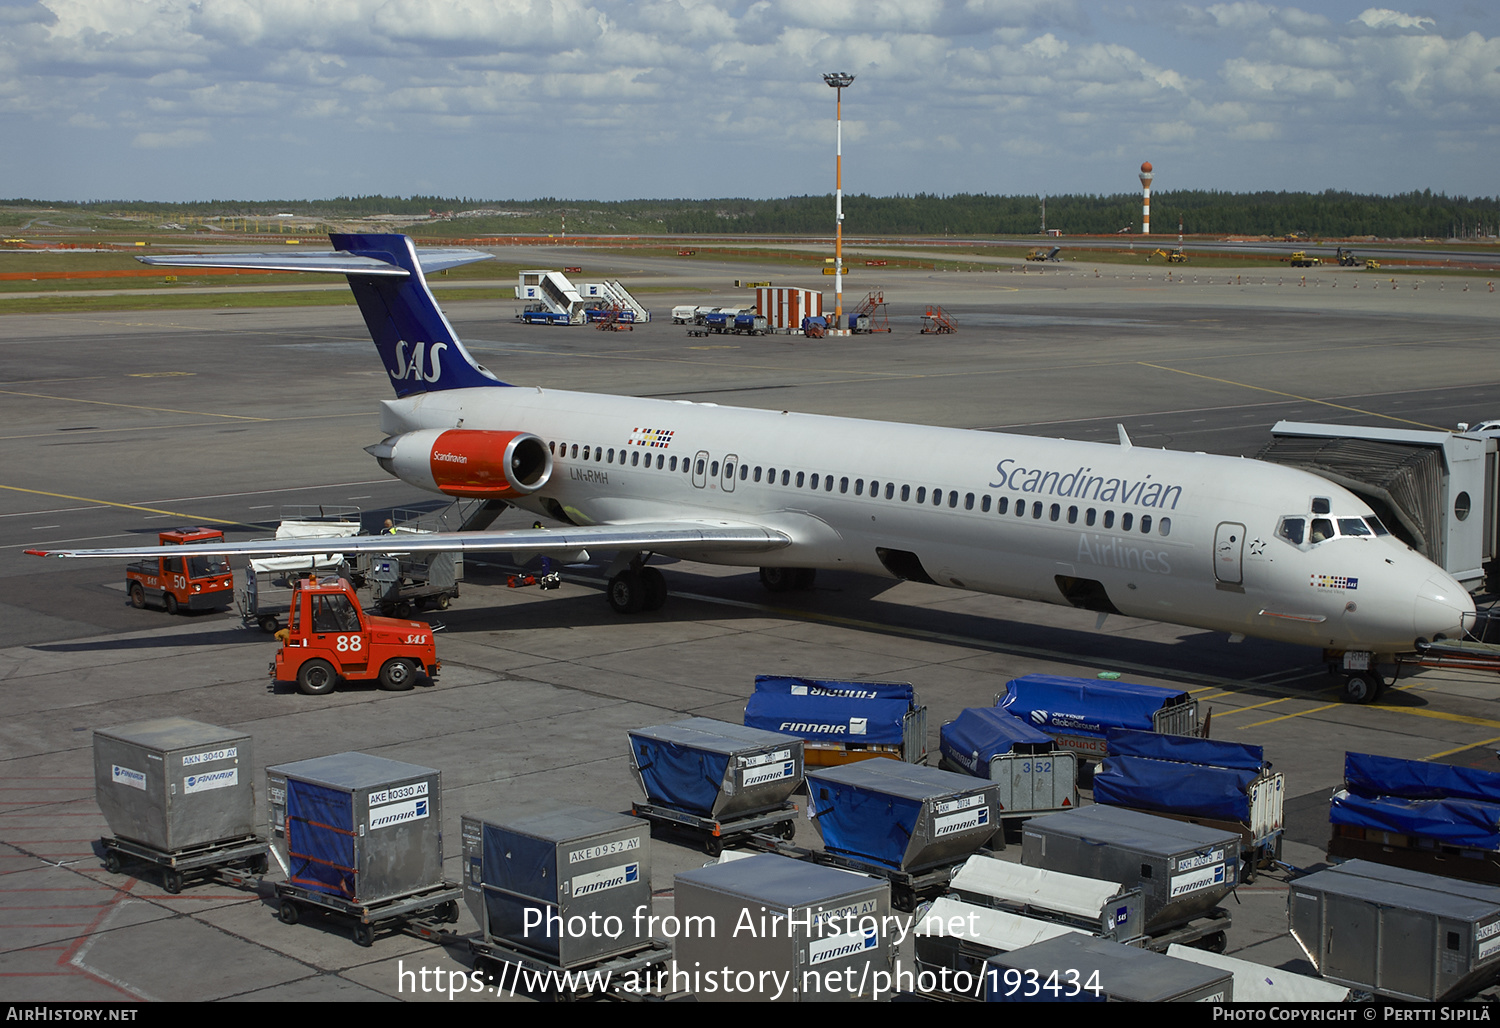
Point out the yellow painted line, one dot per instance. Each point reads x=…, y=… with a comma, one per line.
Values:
x=1460, y=749
x=123, y=506
x=1293, y=396
x=1285, y=717
x=132, y=406
x=1253, y=706
x=1216, y=695
x=1441, y=715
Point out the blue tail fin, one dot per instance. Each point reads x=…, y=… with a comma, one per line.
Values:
x=420, y=350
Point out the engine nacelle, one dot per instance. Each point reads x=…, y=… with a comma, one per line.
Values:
x=467, y=462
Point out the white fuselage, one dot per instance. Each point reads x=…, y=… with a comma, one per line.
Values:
x=1186, y=538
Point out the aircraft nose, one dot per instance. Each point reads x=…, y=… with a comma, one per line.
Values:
x=1442, y=607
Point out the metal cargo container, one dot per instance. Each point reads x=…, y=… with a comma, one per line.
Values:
x=1399, y=933
x=949, y=933
x=1257, y=983
x=1099, y=908
x=173, y=784
x=901, y=816
x=361, y=828
x=563, y=882
x=784, y=928
x=842, y=722
x=1034, y=775
x=1183, y=870
x=1080, y=968
x=715, y=768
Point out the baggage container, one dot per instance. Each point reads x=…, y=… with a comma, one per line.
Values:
x=1397, y=933
x=1033, y=774
x=361, y=828
x=559, y=881
x=173, y=784
x=1183, y=870
x=1078, y=712
x=899, y=816
x=1080, y=968
x=715, y=768
x=959, y=937
x=1222, y=785
x=819, y=931
x=1257, y=983
x=1097, y=907
x=841, y=722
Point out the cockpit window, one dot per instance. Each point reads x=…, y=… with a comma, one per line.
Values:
x=1320, y=505
x=1322, y=529
x=1376, y=526
x=1353, y=526
x=1291, y=530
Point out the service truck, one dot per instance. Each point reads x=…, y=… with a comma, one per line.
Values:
x=193, y=583
x=329, y=637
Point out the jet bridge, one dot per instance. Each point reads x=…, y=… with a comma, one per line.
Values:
x=1437, y=491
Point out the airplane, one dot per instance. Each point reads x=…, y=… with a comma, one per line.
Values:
x=1212, y=542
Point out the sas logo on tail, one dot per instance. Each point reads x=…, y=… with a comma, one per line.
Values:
x=422, y=367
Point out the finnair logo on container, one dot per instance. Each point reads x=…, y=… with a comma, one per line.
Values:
x=125, y=776
x=964, y=822
x=212, y=780
x=609, y=878
x=846, y=945
x=761, y=776
x=398, y=814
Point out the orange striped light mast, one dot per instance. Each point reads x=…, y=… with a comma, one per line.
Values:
x=839, y=81
x=1146, y=177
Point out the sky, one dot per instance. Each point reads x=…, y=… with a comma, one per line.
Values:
x=596, y=99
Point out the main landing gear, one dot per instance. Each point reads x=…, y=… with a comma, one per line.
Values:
x=637, y=589
x=783, y=580
x=1363, y=686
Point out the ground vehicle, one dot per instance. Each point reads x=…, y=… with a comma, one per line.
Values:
x=1300, y=259
x=537, y=314
x=331, y=638
x=1173, y=256
x=194, y=583
x=1040, y=254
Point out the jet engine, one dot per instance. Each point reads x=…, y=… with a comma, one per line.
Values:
x=467, y=462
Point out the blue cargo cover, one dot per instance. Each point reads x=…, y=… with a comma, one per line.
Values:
x=1418, y=779
x=829, y=718
x=320, y=838
x=1454, y=822
x=1085, y=706
x=682, y=777
x=1172, y=787
x=847, y=690
x=979, y=734
x=1187, y=749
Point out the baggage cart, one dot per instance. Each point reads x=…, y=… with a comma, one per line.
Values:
x=421, y=911
x=231, y=861
x=1396, y=933
x=1222, y=785
x=511, y=971
x=1100, y=908
x=1078, y=712
x=841, y=722
x=1080, y=968
x=1032, y=773
x=716, y=781
x=1183, y=870
x=957, y=937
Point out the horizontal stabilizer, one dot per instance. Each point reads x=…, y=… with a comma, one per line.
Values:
x=338, y=262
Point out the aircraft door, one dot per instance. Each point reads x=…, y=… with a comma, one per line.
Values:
x=1229, y=552
x=700, y=469
x=731, y=468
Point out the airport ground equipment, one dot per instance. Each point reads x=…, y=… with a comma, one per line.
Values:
x=936, y=321
x=616, y=297
x=1183, y=870
x=538, y=314
x=264, y=592
x=177, y=794
x=815, y=327
x=1257, y=983
x=1396, y=933
x=748, y=324
x=401, y=585
x=330, y=638
x=558, y=882
x=1041, y=253
x=841, y=722
x=555, y=300
x=822, y=931
x=1416, y=814
x=611, y=319
x=178, y=584
x=685, y=314
x=1300, y=259
x=1223, y=785
x=716, y=781
x=1079, y=712
x=1097, y=907
x=949, y=934
x=1032, y=773
x=1083, y=969
x=361, y=836
x=870, y=316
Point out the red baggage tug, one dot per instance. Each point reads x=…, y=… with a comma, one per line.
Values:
x=330, y=638
x=177, y=583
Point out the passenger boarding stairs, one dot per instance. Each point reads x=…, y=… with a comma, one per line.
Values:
x=938, y=322
x=613, y=293
x=553, y=290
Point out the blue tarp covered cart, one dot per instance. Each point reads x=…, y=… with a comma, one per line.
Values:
x=841, y=722
x=1078, y=712
x=1223, y=785
x=1429, y=817
x=1033, y=774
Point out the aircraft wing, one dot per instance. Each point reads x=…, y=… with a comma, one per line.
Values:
x=336, y=262
x=668, y=537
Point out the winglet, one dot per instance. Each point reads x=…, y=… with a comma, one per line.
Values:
x=1124, y=439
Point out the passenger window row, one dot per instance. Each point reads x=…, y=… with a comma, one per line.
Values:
x=951, y=498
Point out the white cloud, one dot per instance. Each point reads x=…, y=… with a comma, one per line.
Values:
x=1382, y=18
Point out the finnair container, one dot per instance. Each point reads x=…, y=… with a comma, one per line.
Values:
x=1100, y=908
x=784, y=929
x=1183, y=870
x=949, y=933
x=563, y=882
x=1399, y=933
x=173, y=784
x=903, y=816
x=1081, y=968
x=362, y=828
x=714, y=768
